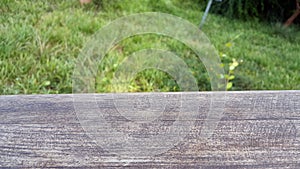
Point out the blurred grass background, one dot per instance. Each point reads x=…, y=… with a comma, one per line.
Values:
x=40, y=41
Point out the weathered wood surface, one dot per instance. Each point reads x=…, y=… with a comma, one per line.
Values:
x=258, y=129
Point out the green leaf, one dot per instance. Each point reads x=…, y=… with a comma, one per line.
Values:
x=229, y=85
x=46, y=83
x=235, y=63
x=229, y=44
x=231, y=77
x=231, y=67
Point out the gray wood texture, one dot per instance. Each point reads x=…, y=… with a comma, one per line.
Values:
x=258, y=129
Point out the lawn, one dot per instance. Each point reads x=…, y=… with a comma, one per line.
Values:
x=41, y=40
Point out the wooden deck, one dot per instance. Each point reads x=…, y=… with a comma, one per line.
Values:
x=258, y=129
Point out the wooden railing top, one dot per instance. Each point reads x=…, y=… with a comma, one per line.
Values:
x=257, y=129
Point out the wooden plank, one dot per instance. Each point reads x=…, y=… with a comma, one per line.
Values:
x=258, y=129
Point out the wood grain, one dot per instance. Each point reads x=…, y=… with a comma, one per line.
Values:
x=258, y=129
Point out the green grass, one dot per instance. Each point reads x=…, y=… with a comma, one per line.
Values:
x=40, y=41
